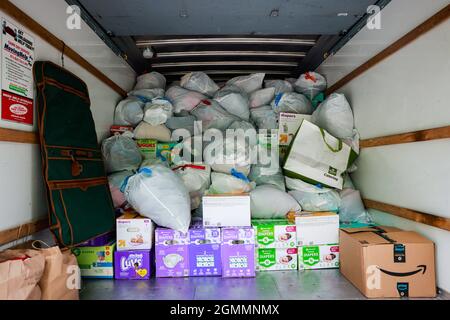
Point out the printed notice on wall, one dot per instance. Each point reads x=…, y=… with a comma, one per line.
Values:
x=17, y=74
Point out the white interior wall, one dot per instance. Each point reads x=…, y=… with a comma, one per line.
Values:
x=21, y=184
x=406, y=92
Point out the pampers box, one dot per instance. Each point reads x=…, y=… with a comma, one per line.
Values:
x=318, y=257
x=171, y=253
x=133, y=265
x=238, y=252
x=134, y=232
x=275, y=233
x=271, y=259
x=96, y=262
x=204, y=251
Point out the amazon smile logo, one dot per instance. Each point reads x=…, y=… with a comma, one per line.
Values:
x=420, y=268
x=373, y=273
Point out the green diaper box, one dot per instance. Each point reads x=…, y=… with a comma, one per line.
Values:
x=96, y=262
x=273, y=259
x=275, y=233
x=147, y=147
x=318, y=257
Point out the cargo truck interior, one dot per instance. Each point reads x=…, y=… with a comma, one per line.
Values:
x=389, y=57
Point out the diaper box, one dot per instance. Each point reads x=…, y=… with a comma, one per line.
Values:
x=272, y=259
x=204, y=251
x=317, y=228
x=275, y=233
x=132, y=264
x=96, y=262
x=226, y=210
x=171, y=253
x=134, y=232
x=288, y=125
x=98, y=241
x=147, y=148
x=238, y=252
x=318, y=257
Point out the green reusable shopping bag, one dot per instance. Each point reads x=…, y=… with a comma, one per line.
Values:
x=79, y=200
x=317, y=157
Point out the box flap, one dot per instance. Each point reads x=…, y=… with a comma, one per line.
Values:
x=408, y=237
x=383, y=229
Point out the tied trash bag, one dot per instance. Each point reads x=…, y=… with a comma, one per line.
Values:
x=233, y=100
x=313, y=198
x=129, y=112
x=213, y=115
x=234, y=183
x=262, y=174
x=197, y=179
x=115, y=181
x=292, y=102
x=20, y=272
x=269, y=202
x=181, y=122
x=248, y=83
x=157, y=111
x=310, y=84
x=280, y=86
x=200, y=82
x=261, y=97
x=146, y=131
x=352, y=208
x=247, y=129
x=146, y=95
x=183, y=99
x=150, y=80
x=335, y=116
x=158, y=193
x=264, y=117
x=121, y=153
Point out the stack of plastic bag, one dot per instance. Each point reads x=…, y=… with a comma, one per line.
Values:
x=280, y=86
x=261, y=97
x=234, y=183
x=234, y=100
x=146, y=95
x=264, y=117
x=248, y=83
x=310, y=84
x=183, y=99
x=269, y=202
x=121, y=153
x=292, y=102
x=158, y=111
x=129, y=112
x=196, y=178
x=200, y=82
x=115, y=182
x=213, y=115
x=150, y=80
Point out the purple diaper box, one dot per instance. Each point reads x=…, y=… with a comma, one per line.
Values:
x=171, y=253
x=238, y=252
x=132, y=264
x=204, y=251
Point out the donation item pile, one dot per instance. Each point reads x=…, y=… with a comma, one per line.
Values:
x=189, y=205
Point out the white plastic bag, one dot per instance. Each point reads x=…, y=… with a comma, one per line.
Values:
x=213, y=115
x=222, y=183
x=335, y=116
x=181, y=122
x=183, y=99
x=269, y=202
x=248, y=130
x=121, y=153
x=352, y=208
x=157, y=111
x=147, y=131
x=261, y=97
x=158, y=193
x=292, y=102
x=310, y=84
x=312, y=201
x=229, y=154
x=146, y=95
x=129, y=112
x=280, y=86
x=264, y=117
x=200, y=82
x=197, y=179
x=248, y=83
x=261, y=174
x=150, y=80
x=234, y=100
x=115, y=182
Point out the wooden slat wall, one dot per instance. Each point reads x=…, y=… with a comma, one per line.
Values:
x=23, y=230
x=421, y=217
x=10, y=135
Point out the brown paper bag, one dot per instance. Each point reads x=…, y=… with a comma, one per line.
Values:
x=20, y=272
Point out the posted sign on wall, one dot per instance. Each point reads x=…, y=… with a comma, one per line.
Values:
x=17, y=74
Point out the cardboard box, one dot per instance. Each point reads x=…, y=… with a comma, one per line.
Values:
x=204, y=251
x=96, y=262
x=147, y=148
x=318, y=257
x=134, y=232
x=288, y=124
x=115, y=129
x=385, y=262
x=171, y=253
x=317, y=228
x=132, y=265
x=226, y=210
x=164, y=150
x=275, y=233
x=238, y=252
x=272, y=259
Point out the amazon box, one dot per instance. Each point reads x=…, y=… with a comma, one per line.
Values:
x=385, y=262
